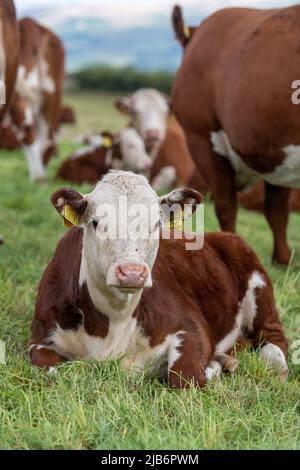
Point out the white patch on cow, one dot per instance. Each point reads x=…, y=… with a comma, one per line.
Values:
x=124, y=338
x=47, y=82
x=165, y=179
x=133, y=151
x=2, y=67
x=245, y=316
x=245, y=176
x=44, y=134
x=174, y=354
x=34, y=159
x=288, y=173
x=82, y=152
x=29, y=119
x=274, y=358
x=213, y=370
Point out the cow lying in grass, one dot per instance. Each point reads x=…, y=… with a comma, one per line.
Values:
x=123, y=151
x=166, y=310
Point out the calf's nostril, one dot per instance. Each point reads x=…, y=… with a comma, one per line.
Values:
x=131, y=275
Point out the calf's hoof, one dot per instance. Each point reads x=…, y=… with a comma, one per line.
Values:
x=1, y=240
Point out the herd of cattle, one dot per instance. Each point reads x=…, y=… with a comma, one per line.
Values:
x=230, y=130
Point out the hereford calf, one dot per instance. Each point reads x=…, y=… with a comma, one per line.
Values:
x=35, y=110
x=164, y=139
x=125, y=150
x=166, y=310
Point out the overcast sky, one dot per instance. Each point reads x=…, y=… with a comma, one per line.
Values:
x=132, y=12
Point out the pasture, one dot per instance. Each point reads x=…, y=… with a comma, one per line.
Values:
x=89, y=405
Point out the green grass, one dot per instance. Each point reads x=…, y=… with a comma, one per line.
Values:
x=97, y=406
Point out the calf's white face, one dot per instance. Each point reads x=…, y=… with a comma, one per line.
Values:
x=149, y=112
x=121, y=221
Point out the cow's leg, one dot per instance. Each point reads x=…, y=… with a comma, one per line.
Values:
x=42, y=357
x=219, y=177
x=268, y=331
x=277, y=214
x=48, y=124
x=187, y=363
x=23, y=119
x=224, y=193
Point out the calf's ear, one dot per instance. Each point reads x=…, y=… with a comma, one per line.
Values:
x=71, y=206
x=123, y=104
x=182, y=196
x=179, y=205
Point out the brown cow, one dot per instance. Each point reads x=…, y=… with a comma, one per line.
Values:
x=253, y=198
x=36, y=106
x=237, y=111
x=164, y=309
x=123, y=151
x=164, y=139
x=9, y=56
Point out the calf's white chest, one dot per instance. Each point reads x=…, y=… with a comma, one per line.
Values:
x=124, y=338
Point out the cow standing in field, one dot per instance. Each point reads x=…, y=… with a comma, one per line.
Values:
x=36, y=106
x=165, y=141
x=232, y=95
x=253, y=198
x=123, y=151
x=9, y=56
x=166, y=310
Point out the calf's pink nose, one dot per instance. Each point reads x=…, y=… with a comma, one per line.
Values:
x=131, y=276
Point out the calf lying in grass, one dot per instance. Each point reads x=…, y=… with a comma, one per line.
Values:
x=174, y=312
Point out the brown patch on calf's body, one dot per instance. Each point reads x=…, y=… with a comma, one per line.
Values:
x=226, y=83
x=195, y=296
x=91, y=165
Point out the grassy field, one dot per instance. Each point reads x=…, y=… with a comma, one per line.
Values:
x=97, y=406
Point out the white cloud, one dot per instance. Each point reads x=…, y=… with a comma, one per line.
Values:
x=126, y=13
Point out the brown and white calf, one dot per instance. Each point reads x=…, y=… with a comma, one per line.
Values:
x=105, y=152
x=166, y=310
x=164, y=138
x=36, y=106
x=237, y=111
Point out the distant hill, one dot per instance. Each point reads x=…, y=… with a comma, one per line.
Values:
x=90, y=41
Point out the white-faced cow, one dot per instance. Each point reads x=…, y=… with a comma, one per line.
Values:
x=36, y=106
x=233, y=97
x=9, y=56
x=125, y=150
x=165, y=141
x=166, y=310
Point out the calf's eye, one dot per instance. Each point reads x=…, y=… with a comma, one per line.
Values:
x=95, y=224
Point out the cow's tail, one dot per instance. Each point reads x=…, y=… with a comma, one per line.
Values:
x=2, y=64
x=182, y=31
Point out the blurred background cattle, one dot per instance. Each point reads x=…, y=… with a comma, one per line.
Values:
x=178, y=128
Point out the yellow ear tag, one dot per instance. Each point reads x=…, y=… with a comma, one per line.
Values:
x=107, y=142
x=70, y=217
x=177, y=221
x=186, y=32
